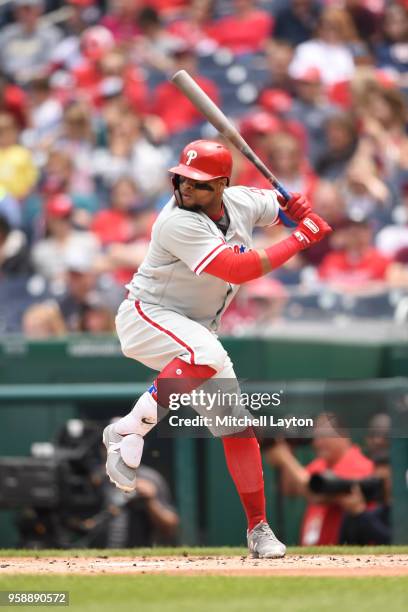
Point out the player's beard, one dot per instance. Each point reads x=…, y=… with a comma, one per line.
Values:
x=179, y=201
x=193, y=208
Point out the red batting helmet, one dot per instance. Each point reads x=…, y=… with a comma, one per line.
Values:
x=204, y=160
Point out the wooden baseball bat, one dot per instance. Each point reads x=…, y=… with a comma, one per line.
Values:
x=206, y=106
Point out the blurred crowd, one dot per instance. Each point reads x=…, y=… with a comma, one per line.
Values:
x=89, y=124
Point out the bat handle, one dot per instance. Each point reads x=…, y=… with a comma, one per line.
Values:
x=283, y=192
x=284, y=218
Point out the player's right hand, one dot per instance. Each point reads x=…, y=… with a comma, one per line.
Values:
x=310, y=230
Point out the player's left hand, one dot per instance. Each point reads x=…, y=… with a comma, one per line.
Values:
x=298, y=207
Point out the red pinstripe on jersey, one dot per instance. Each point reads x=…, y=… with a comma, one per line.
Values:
x=146, y=318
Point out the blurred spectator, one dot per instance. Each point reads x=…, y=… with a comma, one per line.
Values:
x=171, y=105
x=130, y=154
x=391, y=53
x=77, y=140
x=335, y=451
x=93, y=512
x=57, y=175
x=102, y=65
x=383, y=115
x=340, y=139
x=357, y=264
x=397, y=277
x=279, y=56
x=26, y=46
x=329, y=203
x=45, y=114
x=156, y=44
x=365, y=194
x=10, y=208
x=56, y=179
x=393, y=238
x=297, y=22
x=144, y=517
x=83, y=14
x=13, y=101
x=81, y=290
x=117, y=223
x=193, y=25
x=366, y=19
x=330, y=50
x=96, y=317
x=245, y=30
x=285, y=155
x=363, y=524
x=312, y=108
x=277, y=102
x=116, y=71
x=18, y=174
x=128, y=221
x=377, y=441
x=121, y=19
x=95, y=43
x=49, y=255
x=257, y=128
x=43, y=320
x=14, y=251
x=257, y=307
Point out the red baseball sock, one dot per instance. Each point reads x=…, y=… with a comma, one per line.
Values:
x=245, y=466
x=181, y=377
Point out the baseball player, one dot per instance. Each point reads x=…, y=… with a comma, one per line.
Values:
x=199, y=254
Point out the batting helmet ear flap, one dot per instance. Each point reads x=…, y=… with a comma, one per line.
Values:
x=175, y=179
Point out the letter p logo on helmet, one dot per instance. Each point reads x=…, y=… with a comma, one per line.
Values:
x=191, y=154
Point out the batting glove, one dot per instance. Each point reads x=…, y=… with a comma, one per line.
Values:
x=298, y=207
x=310, y=230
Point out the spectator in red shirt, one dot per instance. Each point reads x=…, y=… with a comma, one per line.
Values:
x=257, y=128
x=171, y=105
x=104, y=66
x=13, y=100
x=357, y=263
x=246, y=30
x=95, y=43
x=127, y=223
x=193, y=26
x=335, y=452
x=121, y=19
x=117, y=223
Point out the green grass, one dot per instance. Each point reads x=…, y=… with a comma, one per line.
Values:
x=220, y=594
x=204, y=551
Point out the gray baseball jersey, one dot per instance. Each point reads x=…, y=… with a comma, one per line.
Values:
x=183, y=243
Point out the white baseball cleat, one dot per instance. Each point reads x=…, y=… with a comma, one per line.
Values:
x=120, y=474
x=263, y=543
